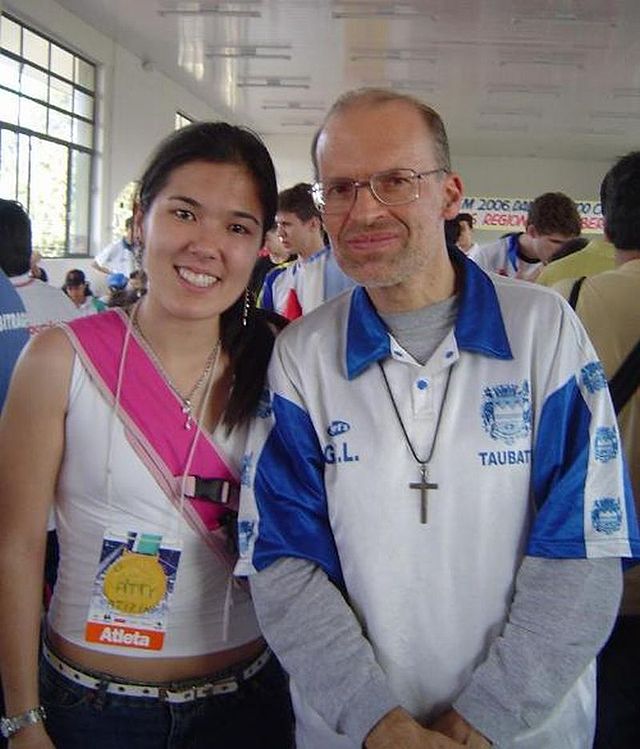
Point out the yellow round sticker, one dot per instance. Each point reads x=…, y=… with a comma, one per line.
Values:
x=135, y=584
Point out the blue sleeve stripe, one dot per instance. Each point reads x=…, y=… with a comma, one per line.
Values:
x=560, y=464
x=265, y=300
x=290, y=494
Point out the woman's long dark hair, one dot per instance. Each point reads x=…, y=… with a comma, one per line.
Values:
x=248, y=346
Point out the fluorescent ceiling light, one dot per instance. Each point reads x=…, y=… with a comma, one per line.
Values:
x=594, y=131
x=237, y=9
x=623, y=93
x=301, y=123
x=564, y=17
x=399, y=54
x=391, y=11
x=549, y=57
x=263, y=81
x=250, y=51
x=405, y=84
x=297, y=106
x=615, y=115
x=511, y=112
x=523, y=88
x=504, y=128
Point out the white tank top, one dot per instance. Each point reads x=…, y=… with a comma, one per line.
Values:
x=204, y=595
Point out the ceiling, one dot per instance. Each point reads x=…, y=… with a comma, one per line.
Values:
x=525, y=77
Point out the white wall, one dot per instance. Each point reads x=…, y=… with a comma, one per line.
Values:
x=482, y=176
x=499, y=176
x=528, y=177
x=291, y=156
x=135, y=111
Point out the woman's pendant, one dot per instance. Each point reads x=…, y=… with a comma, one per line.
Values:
x=186, y=409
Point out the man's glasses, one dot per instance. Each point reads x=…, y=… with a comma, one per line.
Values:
x=395, y=187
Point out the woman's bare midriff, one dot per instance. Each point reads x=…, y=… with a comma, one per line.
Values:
x=154, y=669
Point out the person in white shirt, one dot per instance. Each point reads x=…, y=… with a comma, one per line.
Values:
x=552, y=220
x=118, y=257
x=432, y=537
x=44, y=305
x=466, y=241
x=298, y=287
x=77, y=288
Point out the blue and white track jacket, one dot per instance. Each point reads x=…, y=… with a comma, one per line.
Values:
x=527, y=460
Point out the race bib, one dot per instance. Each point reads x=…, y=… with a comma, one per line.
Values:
x=132, y=591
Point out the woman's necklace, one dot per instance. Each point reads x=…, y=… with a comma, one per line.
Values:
x=187, y=399
x=424, y=484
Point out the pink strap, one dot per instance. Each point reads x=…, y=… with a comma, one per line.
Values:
x=152, y=413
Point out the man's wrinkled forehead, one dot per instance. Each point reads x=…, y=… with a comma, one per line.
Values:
x=378, y=129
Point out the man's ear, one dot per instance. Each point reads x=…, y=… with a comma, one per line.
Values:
x=532, y=232
x=452, y=195
x=315, y=223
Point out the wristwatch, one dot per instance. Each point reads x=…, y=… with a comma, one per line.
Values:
x=10, y=726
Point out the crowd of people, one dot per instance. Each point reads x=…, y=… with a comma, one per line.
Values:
x=401, y=521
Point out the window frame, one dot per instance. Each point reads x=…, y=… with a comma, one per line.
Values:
x=72, y=148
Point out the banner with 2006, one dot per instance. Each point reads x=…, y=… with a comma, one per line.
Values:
x=510, y=214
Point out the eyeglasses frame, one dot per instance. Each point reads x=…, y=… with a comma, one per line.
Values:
x=317, y=187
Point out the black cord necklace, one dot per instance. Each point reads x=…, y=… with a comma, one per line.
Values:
x=424, y=484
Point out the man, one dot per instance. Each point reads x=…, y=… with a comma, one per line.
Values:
x=44, y=305
x=26, y=306
x=431, y=543
x=14, y=332
x=465, y=238
x=272, y=255
x=297, y=288
x=609, y=306
x=552, y=220
x=118, y=257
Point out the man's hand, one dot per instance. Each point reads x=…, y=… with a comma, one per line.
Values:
x=399, y=729
x=452, y=724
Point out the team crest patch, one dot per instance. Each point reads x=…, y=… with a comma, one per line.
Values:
x=263, y=409
x=593, y=377
x=245, y=471
x=606, y=516
x=246, y=532
x=605, y=447
x=506, y=411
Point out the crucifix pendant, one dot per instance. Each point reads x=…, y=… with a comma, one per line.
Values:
x=424, y=486
x=186, y=410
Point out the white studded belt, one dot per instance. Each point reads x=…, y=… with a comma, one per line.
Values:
x=167, y=693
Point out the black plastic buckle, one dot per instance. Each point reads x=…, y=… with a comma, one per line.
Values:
x=219, y=491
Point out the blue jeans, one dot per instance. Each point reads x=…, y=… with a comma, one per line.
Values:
x=257, y=716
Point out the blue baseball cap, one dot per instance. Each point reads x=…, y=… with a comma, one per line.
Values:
x=117, y=281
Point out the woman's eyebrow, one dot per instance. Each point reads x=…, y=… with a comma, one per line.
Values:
x=196, y=204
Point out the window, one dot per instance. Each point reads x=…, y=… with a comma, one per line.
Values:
x=182, y=120
x=47, y=125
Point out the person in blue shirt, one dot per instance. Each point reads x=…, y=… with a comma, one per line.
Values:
x=14, y=332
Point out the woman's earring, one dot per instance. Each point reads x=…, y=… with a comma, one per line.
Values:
x=137, y=254
x=245, y=309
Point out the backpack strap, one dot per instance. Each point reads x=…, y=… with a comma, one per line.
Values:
x=575, y=291
x=626, y=380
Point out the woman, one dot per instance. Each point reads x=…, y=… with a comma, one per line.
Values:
x=137, y=440
x=77, y=289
